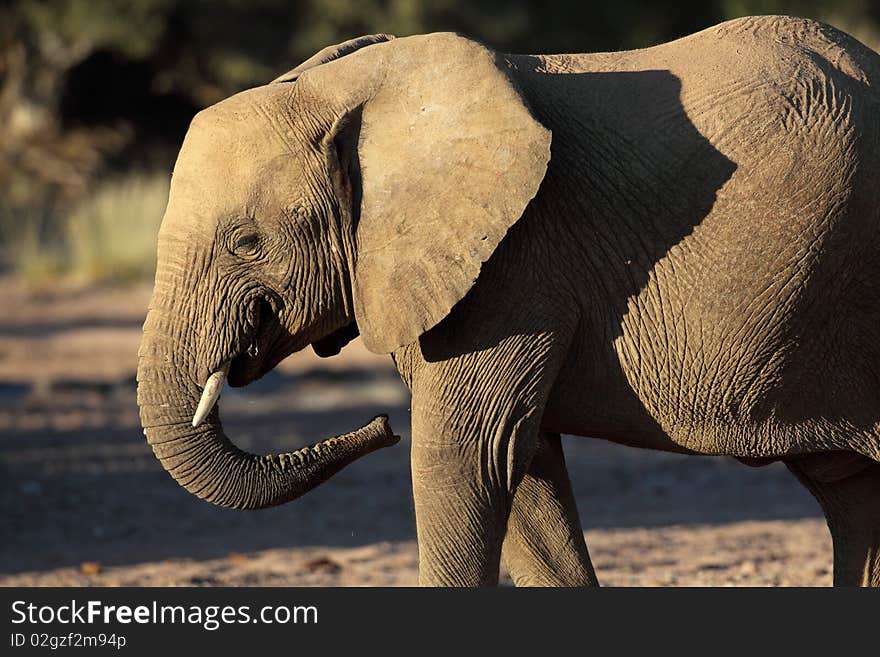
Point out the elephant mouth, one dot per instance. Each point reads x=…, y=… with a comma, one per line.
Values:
x=262, y=342
x=268, y=343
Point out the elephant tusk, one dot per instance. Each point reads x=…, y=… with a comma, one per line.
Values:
x=213, y=388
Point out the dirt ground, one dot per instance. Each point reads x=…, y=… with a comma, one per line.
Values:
x=84, y=502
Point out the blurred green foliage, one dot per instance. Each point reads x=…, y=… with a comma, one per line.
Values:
x=109, y=236
x=91, y=88
x=206, y=49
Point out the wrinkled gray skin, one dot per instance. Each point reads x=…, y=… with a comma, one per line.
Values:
x=674, y=248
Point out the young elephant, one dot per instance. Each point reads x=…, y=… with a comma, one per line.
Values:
x=691, y=265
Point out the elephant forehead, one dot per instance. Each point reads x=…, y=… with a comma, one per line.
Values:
x=234, y=166
x=228, y=150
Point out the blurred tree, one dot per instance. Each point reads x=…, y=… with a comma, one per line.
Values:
x=86, y=84
x=40, y=44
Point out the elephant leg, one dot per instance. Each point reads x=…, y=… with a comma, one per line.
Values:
x=848, y=489
x=480, y=384
x=463, y=488
x=544, y=544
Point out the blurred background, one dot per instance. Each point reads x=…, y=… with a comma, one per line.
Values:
x=95, y=97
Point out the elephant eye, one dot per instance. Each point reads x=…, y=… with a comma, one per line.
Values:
x=246, y=244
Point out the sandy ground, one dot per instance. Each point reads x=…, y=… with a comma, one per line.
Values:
x=83, y=501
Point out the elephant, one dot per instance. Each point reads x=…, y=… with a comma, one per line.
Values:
x=675, y=248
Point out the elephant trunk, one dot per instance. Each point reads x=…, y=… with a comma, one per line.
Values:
x=202, y=459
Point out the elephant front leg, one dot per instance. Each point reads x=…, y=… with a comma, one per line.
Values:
x=464, y=479
x=544, y=545
x=848, y=489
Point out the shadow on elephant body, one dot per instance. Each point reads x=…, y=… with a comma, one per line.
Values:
x=649, y=183
x=630, y=178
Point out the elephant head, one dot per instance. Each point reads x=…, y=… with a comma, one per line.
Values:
x=362, y=190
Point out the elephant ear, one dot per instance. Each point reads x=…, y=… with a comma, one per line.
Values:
x=449, y=158
x=330, y=53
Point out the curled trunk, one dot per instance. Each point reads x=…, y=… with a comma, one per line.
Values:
x=203, y=460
